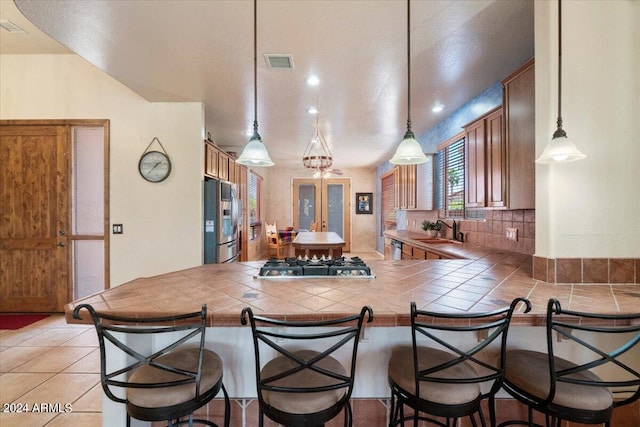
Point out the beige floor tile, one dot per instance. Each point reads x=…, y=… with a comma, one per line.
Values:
x=53, y=336
x=77, y=419
x=62, y=388
x=54, y=360
x=91, y=401
x=13, y=357
x=19, y=336
x=14, y=385
x=88, y=364
x=22, y=419
x=88, y=338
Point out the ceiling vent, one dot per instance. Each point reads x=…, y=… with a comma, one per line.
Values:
x=279, y=61
x=11, y=27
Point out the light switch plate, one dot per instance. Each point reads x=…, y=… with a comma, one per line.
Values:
x=512, y=234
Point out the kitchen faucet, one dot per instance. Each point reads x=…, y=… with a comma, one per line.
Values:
x=454, y=229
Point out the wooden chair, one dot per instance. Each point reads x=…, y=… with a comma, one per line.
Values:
x=599, y=376
x=313, y=226
x=449, y=377
x=168, y=383
x=304, y=384
x=275, y=243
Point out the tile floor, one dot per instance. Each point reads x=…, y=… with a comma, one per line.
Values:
x=54, y=368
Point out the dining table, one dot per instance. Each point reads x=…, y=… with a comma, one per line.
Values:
x=318, y=243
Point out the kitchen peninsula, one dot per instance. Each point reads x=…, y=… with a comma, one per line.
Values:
x=486, y=279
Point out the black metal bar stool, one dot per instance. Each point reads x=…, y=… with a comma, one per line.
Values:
x=583, y=389
x=166, y=384
x=304, y=384
x=437, y=377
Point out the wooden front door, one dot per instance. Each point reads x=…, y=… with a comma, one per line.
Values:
x=34, y=217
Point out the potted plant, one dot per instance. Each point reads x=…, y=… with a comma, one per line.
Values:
x=432, y=228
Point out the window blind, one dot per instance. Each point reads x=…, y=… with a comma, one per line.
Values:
x=450, y=180
x=255, y=183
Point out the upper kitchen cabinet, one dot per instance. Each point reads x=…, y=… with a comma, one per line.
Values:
x=219, y=164
x=414, y=185
x=500, y=149
x=519, y=118
x=210, y=159
x=484, y=161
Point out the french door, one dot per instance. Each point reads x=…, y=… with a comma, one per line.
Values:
x=324, y=201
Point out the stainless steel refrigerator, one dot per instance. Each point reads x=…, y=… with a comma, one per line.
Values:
x=221, y=217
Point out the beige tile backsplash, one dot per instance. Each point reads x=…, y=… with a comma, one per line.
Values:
x=490, y=231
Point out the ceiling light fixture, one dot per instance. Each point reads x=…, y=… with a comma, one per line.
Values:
x=409, y=151
x=313, y=81
x=312, y=110
x=438, y=107
x=560, y=149
x=317, y=155
x=255, y=153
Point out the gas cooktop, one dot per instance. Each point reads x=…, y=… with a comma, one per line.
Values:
x=314, y=267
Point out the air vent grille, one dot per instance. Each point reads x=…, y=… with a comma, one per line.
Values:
x=11, y=27
x=279, y=61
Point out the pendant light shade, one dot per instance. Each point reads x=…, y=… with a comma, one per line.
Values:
x=560, y=149
x=255, y=153
x=409, y=152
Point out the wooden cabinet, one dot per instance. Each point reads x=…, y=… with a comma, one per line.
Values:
x=210, y=159
x=407, y=251
x=223, y=165
x=519, y=118
x=474, y=149
x=484, y=161
x=500, y=149
x=495, y=190
x=413, y=185
x=419, y=253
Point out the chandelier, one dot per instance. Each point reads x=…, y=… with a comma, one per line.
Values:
x=317, y=155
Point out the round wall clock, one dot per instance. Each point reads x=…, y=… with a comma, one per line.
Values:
x=154, y=166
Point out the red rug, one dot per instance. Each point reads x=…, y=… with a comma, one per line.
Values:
x=17, y=321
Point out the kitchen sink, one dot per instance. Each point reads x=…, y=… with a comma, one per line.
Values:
x=434, y=240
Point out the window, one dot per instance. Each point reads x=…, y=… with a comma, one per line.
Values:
x=255, y=192
x=387, y=202
x=450, y=178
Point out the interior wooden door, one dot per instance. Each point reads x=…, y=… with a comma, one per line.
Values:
x=34, y=212
x=325, y=201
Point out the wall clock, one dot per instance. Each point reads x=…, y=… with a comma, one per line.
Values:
x=154, y=166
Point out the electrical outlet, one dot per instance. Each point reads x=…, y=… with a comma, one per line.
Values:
x=512, y=234
x=117, y=229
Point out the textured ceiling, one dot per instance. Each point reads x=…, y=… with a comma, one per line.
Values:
x=203, y=51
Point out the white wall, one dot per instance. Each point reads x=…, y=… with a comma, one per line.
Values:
x=162, y=222
x=278, y=199
x=589, y=208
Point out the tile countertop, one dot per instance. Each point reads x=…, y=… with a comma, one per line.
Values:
x=485, y=280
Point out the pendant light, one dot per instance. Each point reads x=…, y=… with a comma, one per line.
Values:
x=317, y=154
x=560, y=149
x=409, y=151
x=255, y=153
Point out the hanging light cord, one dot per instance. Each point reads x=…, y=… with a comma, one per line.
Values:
x=255, y=69
x=559, y=131
x=409, y=66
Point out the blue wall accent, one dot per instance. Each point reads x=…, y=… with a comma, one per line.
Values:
x=447, y=128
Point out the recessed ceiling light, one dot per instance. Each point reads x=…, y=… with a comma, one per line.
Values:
x=312, y=110
x=313, y=81
x=437, y=107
